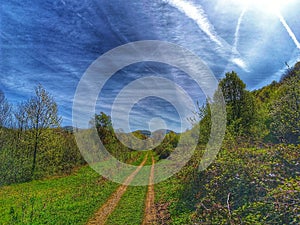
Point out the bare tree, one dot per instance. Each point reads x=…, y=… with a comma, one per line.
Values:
x=5, y=110
x=41, y=113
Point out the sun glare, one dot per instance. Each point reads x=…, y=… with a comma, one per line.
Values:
x=270, y=6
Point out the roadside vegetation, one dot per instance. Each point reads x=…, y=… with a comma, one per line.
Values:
x=255, y=178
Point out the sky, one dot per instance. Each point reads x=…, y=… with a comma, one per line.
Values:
x=54, y=42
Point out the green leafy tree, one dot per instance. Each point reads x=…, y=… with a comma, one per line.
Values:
x=107, y=136
x=104, y=127
x=239, y=105
x=204, y=114
x=285, y=112
x=169, y=143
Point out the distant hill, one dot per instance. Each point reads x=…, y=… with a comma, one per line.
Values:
x=160, y=131
x=147, y=133
x=68, y=128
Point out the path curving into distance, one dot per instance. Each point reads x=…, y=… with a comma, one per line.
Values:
x=108, y=207
x=150, y=210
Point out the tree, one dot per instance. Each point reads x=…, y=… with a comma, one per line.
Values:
x=240, y=107
x=203, y=114
x=290, y=72
x=42, y=113
x=109, y=138
x=285, y=112
x=167, y=146
x=104, y=127
x=21, y=117
x=5, y=110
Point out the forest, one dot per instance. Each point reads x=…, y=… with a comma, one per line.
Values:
x=255, y=178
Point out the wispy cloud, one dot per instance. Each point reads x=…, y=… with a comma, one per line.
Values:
x=241, y=63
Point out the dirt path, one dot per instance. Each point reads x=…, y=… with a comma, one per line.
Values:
x=150, y=211
x=108, y=207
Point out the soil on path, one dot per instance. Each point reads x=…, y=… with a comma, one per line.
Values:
x=150, y=211
x=108, y=207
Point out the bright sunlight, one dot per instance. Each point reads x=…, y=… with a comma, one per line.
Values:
x=270, y=6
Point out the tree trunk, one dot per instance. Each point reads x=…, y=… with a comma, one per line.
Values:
x=34, y=155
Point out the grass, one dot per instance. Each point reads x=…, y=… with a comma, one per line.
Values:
x=169, y=191
x=176, y=193
x=67, y=200
x=74, y=199
x=131, y=207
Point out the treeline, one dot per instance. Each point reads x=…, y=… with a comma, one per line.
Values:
x=110, y=140
x=32, y=143
x=264, y=117
x=279, y=107
x=124, y=146
x=255, y=178
x=270, y=115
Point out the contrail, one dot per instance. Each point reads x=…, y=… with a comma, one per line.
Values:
x=238, y=27
x=198, y=15
x=238, y=61
x=289, y=30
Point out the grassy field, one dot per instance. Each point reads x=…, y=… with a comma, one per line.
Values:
x=248, y=180
x=65, y=200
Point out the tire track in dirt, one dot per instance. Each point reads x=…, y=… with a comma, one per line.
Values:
x=150, y=211
x=108, y=207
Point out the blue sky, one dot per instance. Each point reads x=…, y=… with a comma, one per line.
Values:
x=53, y=42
